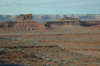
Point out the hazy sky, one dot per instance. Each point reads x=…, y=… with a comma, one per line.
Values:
x=16, y=7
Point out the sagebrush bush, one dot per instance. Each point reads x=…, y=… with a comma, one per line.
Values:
x=20, y=38
x=18, y=60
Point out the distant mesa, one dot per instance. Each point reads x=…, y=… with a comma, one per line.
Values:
x=67, y=19
x=71, y=21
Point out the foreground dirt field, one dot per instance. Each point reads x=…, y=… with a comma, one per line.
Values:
x=50, y=48
x=29, y=52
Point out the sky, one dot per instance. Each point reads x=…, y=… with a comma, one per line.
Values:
x=16, y=7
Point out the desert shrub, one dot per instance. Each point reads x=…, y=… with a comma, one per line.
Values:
x=43, y=64
x=30, y=65
x=43, y=57
x=58, y=64
x=27, y=62
x=33, y=45
x=74, y=61
x=18, y=60
x=67, y=54
x=66, y=62
x=7, y=60
x=1, y=60
x=30, y=53
x=7, y=49
x=68, y=51
x=37, y=49
x=35, y=52
x=19, y=52
x=48, y=65
x=57, y=54
x=13, y=49
x=82, y=64
x=40, y=60
x=47, y=59
x=8, y=54
x=51, y=50
x=14, y=56
x=20, y=38
x=77, y=65
x=51, y=54
x=68, y=65
x=1, y=38
x=2, y=49
x=24, y=58
x=62, y=49
x=61, y=60
x=7, y=38
x=56, y=50
x=35, y=42
x=53, y=60
x=23, y=55
x=96, y=63
x=33, y=60
x=39, y=57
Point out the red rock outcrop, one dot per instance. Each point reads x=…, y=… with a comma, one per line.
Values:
x=64, y=21
x=71, y=21
x=22, y=23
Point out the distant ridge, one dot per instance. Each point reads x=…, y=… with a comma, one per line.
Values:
x=45, y=18
x=67, y=19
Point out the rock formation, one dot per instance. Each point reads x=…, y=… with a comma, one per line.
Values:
x=25, y=23
x=22, y=23
x=24, y=17
x=71, y=21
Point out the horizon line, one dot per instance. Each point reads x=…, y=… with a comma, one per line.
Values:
x=50, y=14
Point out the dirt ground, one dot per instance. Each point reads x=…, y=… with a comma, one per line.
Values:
x=83, y=42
